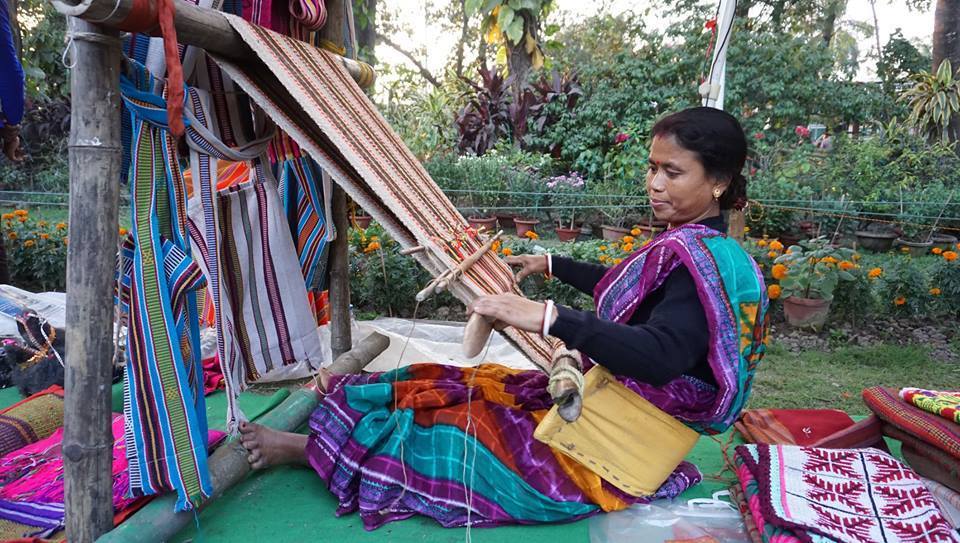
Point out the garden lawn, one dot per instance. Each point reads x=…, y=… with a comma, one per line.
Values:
x=835, y=380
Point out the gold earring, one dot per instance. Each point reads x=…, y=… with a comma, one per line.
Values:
x=717, y=193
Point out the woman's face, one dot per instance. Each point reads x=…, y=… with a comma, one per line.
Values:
x=679, y=188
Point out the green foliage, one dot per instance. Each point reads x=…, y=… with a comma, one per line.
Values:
x=783, y=179
x=901, y=60
x=36, y=251
x=420, y=115
x=815, y=269
x=945, y=286
x=934, y=102
x=903, y=288
x=42, y=30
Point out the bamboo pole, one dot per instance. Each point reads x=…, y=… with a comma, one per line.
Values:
x=94, y=203
x=340, y=332
x=201, y=27
x=158, y=521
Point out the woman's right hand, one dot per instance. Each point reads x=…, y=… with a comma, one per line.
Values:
x=530, y=264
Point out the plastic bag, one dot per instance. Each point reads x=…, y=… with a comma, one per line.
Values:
x=701, y=520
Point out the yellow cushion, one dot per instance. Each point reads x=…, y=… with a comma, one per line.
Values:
x=620, y=436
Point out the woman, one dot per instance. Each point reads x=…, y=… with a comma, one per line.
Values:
x=680, y=322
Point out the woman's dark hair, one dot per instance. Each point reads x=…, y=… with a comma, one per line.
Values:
x=718, y=140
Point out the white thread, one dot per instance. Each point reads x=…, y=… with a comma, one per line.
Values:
x=468, y=493
x=47, y=339
x=108, y=17
x=92, y=37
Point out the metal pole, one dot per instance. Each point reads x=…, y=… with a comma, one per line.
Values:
x=94, y=200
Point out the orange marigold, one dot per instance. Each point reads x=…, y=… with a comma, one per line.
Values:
x=635, y=232
x=829, y=260
x=8, y=216
x=772, y=254
x=874, y=273
x=628, y=239
x=21, y=212
x=846, y=265
x=617, y=261
x=29, y=243
x=779, y=271
x=42, y=224
x=603, y=247
x=627, y=247
x=604, y=258
x=776, y=245
x=531, y=234
x=373, y=246
x=22, y=218
x=61, y=226
x=904, y=249
x=937, y=250
x=899, y=300
x=935, y=291
x=44, y=236
x=746, y=229
x=507, y=251
x=123, y=231
x=12, y=235
x=950, y=256
x=762, y=243
x=774, y=291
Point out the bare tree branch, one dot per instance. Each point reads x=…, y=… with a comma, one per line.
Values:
x=423, y=70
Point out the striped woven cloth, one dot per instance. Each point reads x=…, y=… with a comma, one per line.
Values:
x=31, y=419
x=945, y=404
x=311, y=97
x=927, y=427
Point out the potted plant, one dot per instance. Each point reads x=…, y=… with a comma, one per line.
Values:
x=649, y=227
x=360, y=219
x=565, y=195
x=609, y=196
x=808, y=274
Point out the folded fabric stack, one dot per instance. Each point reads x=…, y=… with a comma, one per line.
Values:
x=815, y=495
x=791, y=426
x=925, y=421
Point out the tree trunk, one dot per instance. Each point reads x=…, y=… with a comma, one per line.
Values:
x=776, y=18
x=946, y=44
x=946, y=33
x=876, y=31
x=463, y=37
x=367, y=33
x=831, y=11
x=520, y=62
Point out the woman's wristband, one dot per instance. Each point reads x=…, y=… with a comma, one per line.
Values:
x=549, y=259
x=548, y=308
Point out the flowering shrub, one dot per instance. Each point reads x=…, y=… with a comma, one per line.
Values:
x=565, y=189
x=36, y=251
x=813, y=269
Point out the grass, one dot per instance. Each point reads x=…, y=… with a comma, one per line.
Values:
x=835, y=380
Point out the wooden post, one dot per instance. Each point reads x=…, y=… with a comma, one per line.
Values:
x=736, y=220
x=94, y=201
x=340, y=334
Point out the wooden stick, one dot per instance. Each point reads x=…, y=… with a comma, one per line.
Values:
x=204, y=28
x=444, y=280
x=94, y=207
x=157, y=521
x=413, y=250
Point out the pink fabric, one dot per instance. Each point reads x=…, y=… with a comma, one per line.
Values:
x=212, y=375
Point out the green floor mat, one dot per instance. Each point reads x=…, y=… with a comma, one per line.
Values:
x=9, y=396
x=292, y=504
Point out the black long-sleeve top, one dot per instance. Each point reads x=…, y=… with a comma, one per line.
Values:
x=666, y=337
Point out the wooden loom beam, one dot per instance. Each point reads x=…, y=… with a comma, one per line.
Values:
x=158, y=521
x=94, y=208
x=201, y=27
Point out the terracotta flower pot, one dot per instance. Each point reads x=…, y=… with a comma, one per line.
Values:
x=791, y=238
x=613, y=233
x=945, y=242
x=877, y=242
x=525, y=225
x=505, y=221
x=915, y=248
x=802, y=312
x=362, y=221
x=487, y=223
x=568, y=234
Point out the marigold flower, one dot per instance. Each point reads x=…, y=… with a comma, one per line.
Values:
x=874, y=273
x=373, y=246
x=746, y=229
x=604, y=258
x=21, y=212
x=788, y=252
x=779, y=271
x=950, y=256
x=627, y=247
x=856, y=256
x=635, y=232
x=507, y=251
x=61, y=226
x=774, y=291
x=617, y=261
x=22, y=218
x=775, y=245
x=904, y=249
x=8, y=216
x=846, y=265
x=12, y=235
x=628, y=239
x=603, y=247
x=123, y=231
x=828, y=260
x=496, y=246
x=530, y=234
x=29, y=243
x=374, y=238
x=936, y=250
x=762, y=243
x=772, y=254
x=935, y=291
x=44, y=236
x=42, y=224
x=899, y=300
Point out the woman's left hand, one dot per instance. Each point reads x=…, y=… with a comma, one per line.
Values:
x=511, y=310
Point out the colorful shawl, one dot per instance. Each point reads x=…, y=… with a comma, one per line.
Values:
x=927, y=427
x=456, y=445
x=791, y=426
x=852, y=496
x=31, y=481
x=733, y=295
x=31, y=419
x=945, y=404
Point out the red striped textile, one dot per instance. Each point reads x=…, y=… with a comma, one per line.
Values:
x=926, y=427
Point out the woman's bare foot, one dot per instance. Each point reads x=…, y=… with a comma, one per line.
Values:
x=269, y=447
